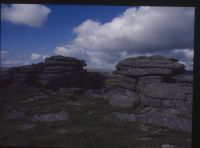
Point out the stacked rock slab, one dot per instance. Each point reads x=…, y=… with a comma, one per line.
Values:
x=155, y=82
x=55, y=72
x=24, y=75
x=62, y=71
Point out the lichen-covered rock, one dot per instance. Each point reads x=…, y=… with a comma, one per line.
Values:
x=152, y=62
x=126, y=82
x=143, y=81
x=62, y=60
x=51, y=117
x=157, y=118
x=124, y=98
x=60, y=71
x=54, y=73
x=184, y=79
x=138, y=72
x=168, y=91
x=156, y=82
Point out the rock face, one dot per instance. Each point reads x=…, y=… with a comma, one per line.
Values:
x=155, y=82
x=62, y=71
x=55, y=72
x=51, y=117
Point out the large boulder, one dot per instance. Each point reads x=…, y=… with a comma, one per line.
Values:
x=126, y=82
x=157, y=83
x=5, y=78
x=168, y=91
x=62, y=60
x=24, y=75
x=60, y=71
x=153, y=65
x=54, y=73
x=124, y=98
x=151, y=62
x=143, y=81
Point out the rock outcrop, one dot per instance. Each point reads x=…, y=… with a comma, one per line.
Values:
x=54, y=72
x=62, y=71
x=154, y=82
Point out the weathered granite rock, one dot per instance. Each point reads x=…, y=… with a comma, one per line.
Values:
x=166, y=120
x=138, y=72
x=167, y=91
x=51, y=117
x=183, y=79
x=159, y=83
x=16, y=115
x=143, y=81
x=27, y=126
x=54, y=73
x=152, y=62
x=127, y=82
x=61, y=60
x=5, y=78
x=124, y=98
x=60, y=71
x=169, y=146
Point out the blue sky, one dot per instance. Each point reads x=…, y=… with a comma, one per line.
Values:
x=101, y=35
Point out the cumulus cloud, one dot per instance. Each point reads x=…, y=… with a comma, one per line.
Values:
x=188, y=53
x=28, y=14
x=146, y=28
x=10, y=62
x=71, y=50
x=185, y=56
x=3, y=54
x=35, y=56
x=142, y=31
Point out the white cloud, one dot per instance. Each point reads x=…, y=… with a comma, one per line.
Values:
x=29, y=14
x=3, y=53
x=71, y=50
x=143, y=31
x=146, y=28
x=188, y=53
x=10, y=62
x=35, y=56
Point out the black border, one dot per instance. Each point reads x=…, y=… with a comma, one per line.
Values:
x=187, y=3
x=175, y=3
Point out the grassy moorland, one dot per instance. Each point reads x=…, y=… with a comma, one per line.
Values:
x=90, y=123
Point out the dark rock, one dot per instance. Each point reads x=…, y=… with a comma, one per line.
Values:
x=169, y=146
x=93, y=80
x=60, y=71
x=5, y=78
x=51, y=117
x=126, y=82
x=143, y=81
x=151, y=62
x=159, y=84
x=27, y=126
x=160, y=119
x=16, y=114
x=167, y=91
x=56, y=72
x=124, y=98
x=138, y=72
x=61, y=60
x=183, y=79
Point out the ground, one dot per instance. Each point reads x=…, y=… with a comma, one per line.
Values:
x=90, y=123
